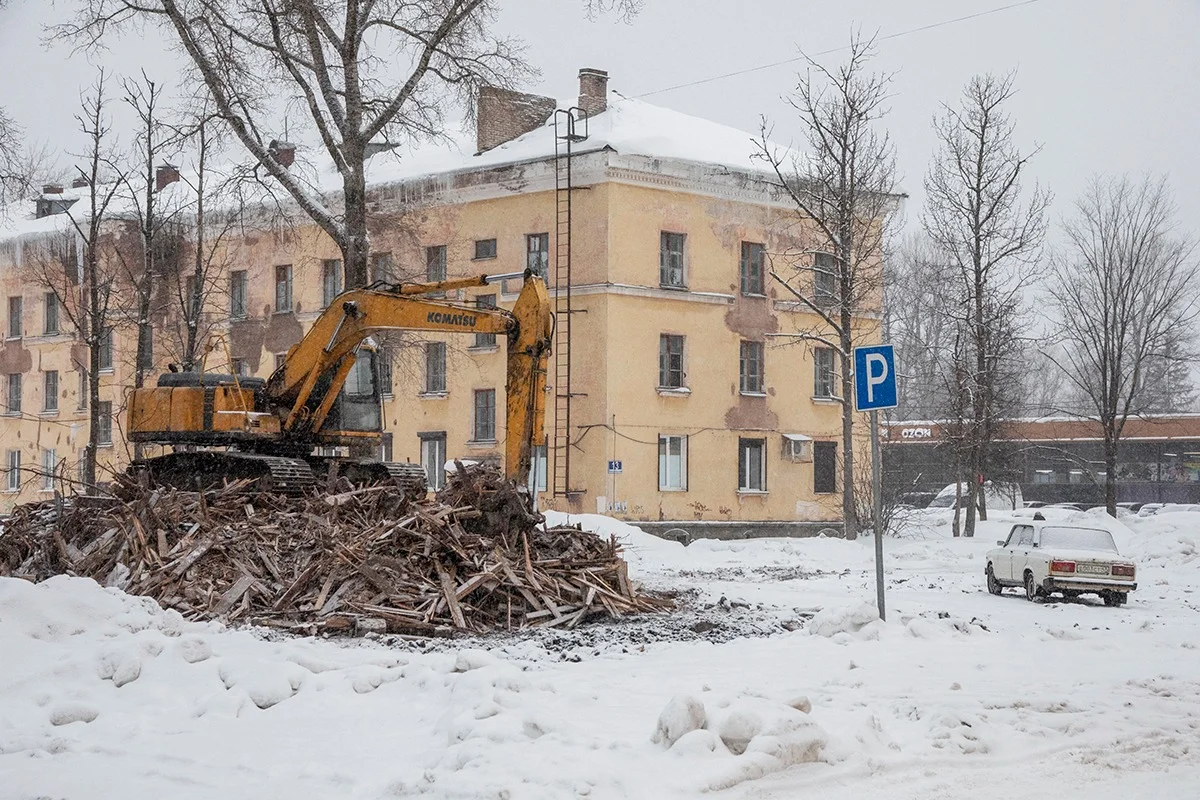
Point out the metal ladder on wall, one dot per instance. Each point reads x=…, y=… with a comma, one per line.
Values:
x=566, y=134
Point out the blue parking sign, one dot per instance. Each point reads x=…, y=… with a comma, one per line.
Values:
x=874, y=377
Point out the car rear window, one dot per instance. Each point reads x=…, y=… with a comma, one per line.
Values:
x=1078, y=539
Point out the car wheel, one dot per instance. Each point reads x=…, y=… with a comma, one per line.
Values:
x=993, y=585
x=1031, y=589
x=1114, y=599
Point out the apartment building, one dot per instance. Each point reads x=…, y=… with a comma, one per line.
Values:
x=687, y=399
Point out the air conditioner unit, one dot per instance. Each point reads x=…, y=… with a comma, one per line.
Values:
x=797, y=447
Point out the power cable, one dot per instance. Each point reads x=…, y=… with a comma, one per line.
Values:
x=897, y=35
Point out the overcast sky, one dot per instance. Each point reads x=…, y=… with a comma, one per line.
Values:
x=1104, y=85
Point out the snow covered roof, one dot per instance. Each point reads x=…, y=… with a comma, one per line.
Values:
x=627, y=126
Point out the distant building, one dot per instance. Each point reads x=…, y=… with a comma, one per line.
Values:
x=682, y=406
x=1059, y=460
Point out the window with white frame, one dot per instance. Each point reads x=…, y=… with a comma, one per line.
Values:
x=752, y=465
x=670, y=361
x=435, y=263
x=671, y=271
x=16, y=325
x=104, y=432
x=433, y=458
x=283, y=288
x=82, y=399
x=750, y=368
x=752, y=268
x=14, y=393
x=12, y=478
x=824, y=383
x=331, y=281
x=672, y=463
x=537, y=253
x=541, y=463
x=383, y=268
x=485, y=339
x=825, y=277
x=484, y=429
x=238, y=294
x=50, y=390
x=106, y=350
x=49, y=465
x=435, y=367
x=50, y=316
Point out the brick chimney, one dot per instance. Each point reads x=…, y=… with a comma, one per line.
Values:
x=80, y=183
x=52, y=188
x=165, y=175
x=502, y=115
x=593, y=91
x=283, y=152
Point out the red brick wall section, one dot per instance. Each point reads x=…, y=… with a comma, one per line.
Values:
x=503, y=115
x=593, y=91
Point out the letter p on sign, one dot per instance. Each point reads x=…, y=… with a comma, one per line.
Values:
x=874, y=377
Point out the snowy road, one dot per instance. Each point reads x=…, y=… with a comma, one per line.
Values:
x=958, y=694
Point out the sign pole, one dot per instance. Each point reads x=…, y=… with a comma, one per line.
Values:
x=877, y=496
x=875, y=388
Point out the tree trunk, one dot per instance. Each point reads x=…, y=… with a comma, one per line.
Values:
x=1110, y=474
x=94, y=320
x=356, y=249
x=957, y=473
x=972, y=494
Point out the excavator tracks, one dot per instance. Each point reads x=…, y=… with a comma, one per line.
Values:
x=206, y=469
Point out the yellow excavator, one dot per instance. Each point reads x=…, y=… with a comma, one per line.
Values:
x=326, y=394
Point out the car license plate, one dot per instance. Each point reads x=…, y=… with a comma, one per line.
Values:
x=1092, y=569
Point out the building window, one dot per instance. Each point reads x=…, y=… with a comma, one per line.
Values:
x=238, y=367
x=383, y=358
x=537, y=253
x=16, y=326
x=752, y=465
x=49, y=465
x=237, y=294
x=825, y=277
x=670, y=361
x=280, y=360
x=485, y=415
x=283, y=288
x=435, y=263
x=433, y=459
x=823, y=372
x=106, y=350
x=753, y=268
x=331, y=281
x=12, y=480
x=670, y=260
x=672, y=463
x=485, y=248
x=383, y=268
x=824, y=467
x=541, y=463
x=104, y=432
x=750, y=368
x=435, y=367
x=485, y=339
x=14, y=393
x=50, y=390
x=51, y=316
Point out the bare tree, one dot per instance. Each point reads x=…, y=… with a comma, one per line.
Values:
x=77, y=266
x=914, y=320
x=974, y=213
x=1126, y=293
x=842, y=194
x=360, y=71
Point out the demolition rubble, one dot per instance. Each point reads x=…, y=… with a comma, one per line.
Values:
x=344, y=560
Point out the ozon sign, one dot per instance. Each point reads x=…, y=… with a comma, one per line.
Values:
x=916, y=433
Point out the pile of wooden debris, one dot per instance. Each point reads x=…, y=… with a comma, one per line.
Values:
x=351, y=560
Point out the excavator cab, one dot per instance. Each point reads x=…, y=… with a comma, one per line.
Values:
x=359, y=405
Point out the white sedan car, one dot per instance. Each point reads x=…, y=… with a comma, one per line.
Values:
x=1045, y=556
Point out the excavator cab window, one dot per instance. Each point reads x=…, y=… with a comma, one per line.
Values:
x=359, y=406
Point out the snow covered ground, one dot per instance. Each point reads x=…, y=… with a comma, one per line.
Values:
x=776, y=682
